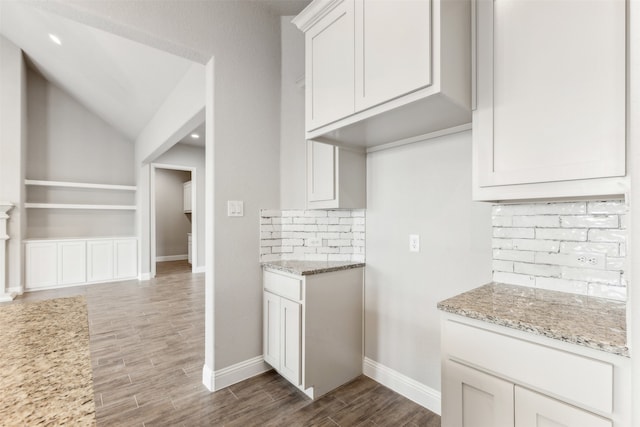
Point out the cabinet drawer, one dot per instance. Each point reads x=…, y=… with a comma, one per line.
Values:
x=571, y=377
x=284, y=286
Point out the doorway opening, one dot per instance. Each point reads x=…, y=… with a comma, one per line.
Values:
x=173, y=219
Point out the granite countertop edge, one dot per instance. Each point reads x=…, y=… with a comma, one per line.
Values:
x=522, y=325
x=308, y=268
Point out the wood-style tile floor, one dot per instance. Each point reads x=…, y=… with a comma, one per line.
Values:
x=147, y=350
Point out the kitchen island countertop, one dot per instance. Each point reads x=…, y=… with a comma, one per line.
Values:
x=306, y=268
x=592, y=322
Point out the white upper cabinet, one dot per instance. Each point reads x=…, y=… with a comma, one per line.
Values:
x=391, y=63
x=551, y=98
x=378, y=71
x=329, y=64
x=336, y=177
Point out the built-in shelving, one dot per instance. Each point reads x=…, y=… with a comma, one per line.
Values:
x=43, y=183
x=78, y=206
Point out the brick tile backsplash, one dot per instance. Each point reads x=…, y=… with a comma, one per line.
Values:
x=577, y=247
x=289, y=234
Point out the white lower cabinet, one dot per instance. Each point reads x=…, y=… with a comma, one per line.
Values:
x=72, y=262
x=537, y=410
x=497, y=377
x=312, y=328
x=41, y=264
x=99, y=260
x=67, y=262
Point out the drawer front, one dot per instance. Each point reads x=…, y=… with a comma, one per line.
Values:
x=285, y=286
x=571, y=377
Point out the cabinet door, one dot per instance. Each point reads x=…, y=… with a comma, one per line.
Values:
x=99, y=260
x=471, y=398
x=549, y=109
x=186, y=197
x=321, y=172
x=391, y=60
x=536, y=410
x=329, y=66
x=41, y=264
x=126, y=258
x=271, y=329
x=290, y=340
x=72, y=262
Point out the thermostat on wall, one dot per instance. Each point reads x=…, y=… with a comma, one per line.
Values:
x=235, y=208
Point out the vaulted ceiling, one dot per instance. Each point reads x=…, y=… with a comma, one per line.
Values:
x=122, y=81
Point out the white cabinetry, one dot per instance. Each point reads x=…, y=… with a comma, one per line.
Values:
x=72, y=262
x=186, y=197
x=336, y=177
x=550, y=118
x=68, y=262
x=329, y=64
x=313, y=328
x=99, y=260
x=382, y=70
x=41, y=264
x=499, y=377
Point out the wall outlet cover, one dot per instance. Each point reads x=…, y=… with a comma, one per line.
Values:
x=414, y=243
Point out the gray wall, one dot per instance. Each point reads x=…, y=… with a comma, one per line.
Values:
x=172, y=224
x=67, y=142
x=425, y=189
x=13, y=112
x=292, y=138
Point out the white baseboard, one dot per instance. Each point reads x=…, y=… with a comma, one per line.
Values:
x=6, y=297
x=235, y=373
x=172, y=258
x=207, y=378
x=145, y=276
x=402, y=384
x=201, y=269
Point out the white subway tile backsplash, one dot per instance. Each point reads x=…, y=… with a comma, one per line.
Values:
x=537, y=269
x=580, y=260
x=590, y=221
x=576, y=208
x=577, y=247
x=536, y=245
x=502, y=243
x=536, y=221
x=285, y=235
x=514, y=279
x=571, y=234
x=511, y=255
x=610, y=249
x=563, y=285
x=499, y=265
x=616, y=207
x=340, y=214
x=607, y=235
x=514, y=233
x=587, y=275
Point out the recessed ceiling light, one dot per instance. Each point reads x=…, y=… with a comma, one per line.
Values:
x=55, y=39
x=195, y=136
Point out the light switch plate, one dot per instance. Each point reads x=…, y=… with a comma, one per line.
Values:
x=414, y=243
x=235, y=208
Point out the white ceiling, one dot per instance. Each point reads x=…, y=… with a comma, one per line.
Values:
x=196, y=142
x=122, y=81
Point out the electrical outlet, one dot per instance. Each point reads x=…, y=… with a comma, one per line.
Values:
x=414, y=243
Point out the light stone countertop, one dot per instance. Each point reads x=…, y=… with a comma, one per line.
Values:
x=306, y=268
x=592, y=322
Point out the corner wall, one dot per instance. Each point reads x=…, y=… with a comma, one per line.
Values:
x=422, y=188
x=13, y=117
